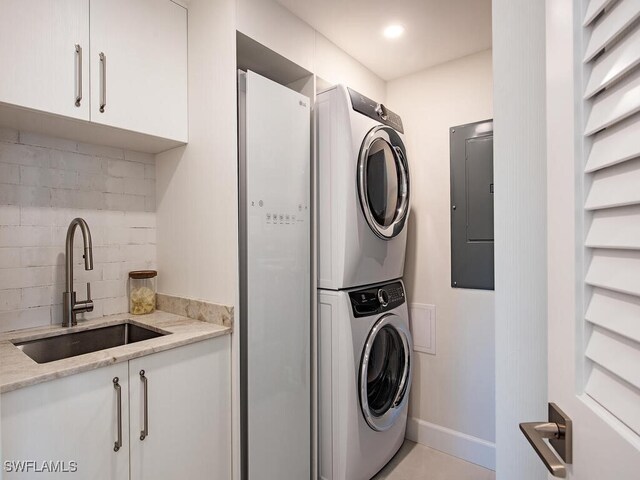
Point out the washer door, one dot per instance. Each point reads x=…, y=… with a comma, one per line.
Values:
x=383, y=182
x=385, y=372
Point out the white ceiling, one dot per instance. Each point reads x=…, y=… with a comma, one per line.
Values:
x=436, y=31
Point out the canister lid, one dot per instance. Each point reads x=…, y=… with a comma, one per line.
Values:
x=141, y=274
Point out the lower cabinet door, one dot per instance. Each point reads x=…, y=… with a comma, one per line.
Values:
x=68, y=425
x=183, y=428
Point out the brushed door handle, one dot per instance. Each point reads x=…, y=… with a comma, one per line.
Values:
x=144, y=433
x=103, y=81
x=559, y=432
x=78, y=74
x=118, y=442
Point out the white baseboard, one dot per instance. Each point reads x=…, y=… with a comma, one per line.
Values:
x=461, y=445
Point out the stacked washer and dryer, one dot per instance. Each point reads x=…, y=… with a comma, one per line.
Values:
x=364, y=343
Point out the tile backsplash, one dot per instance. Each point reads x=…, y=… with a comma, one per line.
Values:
x=45, y=182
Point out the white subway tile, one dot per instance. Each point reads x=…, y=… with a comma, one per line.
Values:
x=9, y=258
x=141, y=157
x=116, y=235
x=76, y=162
x=62, y=198
x=9, y=214
x=150, y=204
x=83, y=276
x=29, y=138
x=138, y=186
x=29, y=318
x=25, y=236
x=24, y=154
x=56, y=314
x=107, y=253
x=10, y=299
x=108, y=288
x=138, y=253
x=9, y=173
x=9, y=135
x=114, y=185
x=90, y=200
x=26, y=277
x=150, y=171
x=92, y=181
x=112, y=271
x=125, y=169
x=139, y=236
x=100, y=150
x=40, y=216
x=41, y=256
x=140, y=219
x=40, y=296
x=47, y=177
x=25, y=196
x=117, y=201
x=113, y=306
x=152, y=236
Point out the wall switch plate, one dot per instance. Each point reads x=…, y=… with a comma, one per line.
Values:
x=422, y=320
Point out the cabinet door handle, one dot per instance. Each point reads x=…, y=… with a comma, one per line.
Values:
x=78, y=74
x=118, y=442
x=103, y=81
x=144, y=433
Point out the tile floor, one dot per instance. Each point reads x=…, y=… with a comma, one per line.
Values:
x=417, y=462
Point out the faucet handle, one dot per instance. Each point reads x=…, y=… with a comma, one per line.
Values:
x=88, y=292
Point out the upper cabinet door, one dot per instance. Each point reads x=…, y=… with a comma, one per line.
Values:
x=139, y=66
x=44, y=49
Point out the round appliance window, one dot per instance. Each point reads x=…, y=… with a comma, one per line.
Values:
x=385, y=373
x=383, y=182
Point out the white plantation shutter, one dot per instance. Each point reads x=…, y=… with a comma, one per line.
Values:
x=612, y=205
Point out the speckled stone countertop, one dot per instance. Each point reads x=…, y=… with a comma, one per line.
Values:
x=17, y=370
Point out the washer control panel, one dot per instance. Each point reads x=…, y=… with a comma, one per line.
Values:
x=376, y=300
x=375, y=110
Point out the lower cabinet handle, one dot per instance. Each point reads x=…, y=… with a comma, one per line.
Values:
x=144, y=433
x=103, y=81
x=118, y=442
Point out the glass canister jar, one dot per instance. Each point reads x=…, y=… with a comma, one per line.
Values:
x=142, y=291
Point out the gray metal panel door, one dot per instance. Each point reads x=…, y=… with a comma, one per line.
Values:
x=472, y=206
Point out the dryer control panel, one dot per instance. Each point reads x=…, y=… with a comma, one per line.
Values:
x=375, y=110
x=376, y=300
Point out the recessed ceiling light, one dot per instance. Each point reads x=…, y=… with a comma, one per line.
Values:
x=393, y=31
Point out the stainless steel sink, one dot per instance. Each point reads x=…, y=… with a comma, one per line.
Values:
x=49, y=349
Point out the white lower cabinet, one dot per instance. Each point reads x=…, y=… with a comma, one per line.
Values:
x=72, y=419
x=72, y=423
x=188, y=413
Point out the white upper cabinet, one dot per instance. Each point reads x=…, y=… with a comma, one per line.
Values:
x=139, y=66
x=112, y=63
x=41, y=68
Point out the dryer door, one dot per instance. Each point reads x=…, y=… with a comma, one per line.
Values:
x=383, y=182
x=385, y=372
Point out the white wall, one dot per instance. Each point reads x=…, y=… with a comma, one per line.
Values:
x=45, y=183
x=520, y=232
x=197, y=189
x=454, y=388
x=300, y=43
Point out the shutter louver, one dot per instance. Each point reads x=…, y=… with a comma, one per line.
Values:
x=612, y=205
